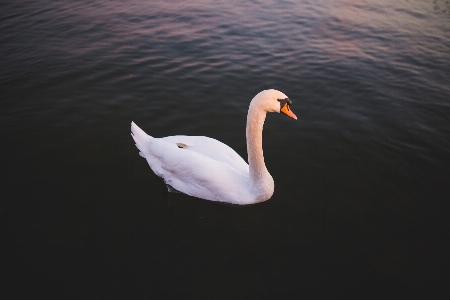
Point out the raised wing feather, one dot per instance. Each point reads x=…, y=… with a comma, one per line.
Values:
x=211, y=148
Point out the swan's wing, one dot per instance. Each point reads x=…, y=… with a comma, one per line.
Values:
x=191, y=172
x=211, y=148
x=200, y=176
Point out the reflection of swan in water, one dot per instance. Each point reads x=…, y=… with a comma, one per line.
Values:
x=206, y=168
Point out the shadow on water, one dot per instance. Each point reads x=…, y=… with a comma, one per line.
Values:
x=166, y=190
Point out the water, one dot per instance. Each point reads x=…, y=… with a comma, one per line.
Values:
x=362, y=178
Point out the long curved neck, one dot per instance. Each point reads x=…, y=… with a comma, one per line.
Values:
x=255, y=122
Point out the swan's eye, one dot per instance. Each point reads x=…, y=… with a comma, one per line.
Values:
x=285, y=102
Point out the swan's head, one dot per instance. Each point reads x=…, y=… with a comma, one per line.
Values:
x=274, y=101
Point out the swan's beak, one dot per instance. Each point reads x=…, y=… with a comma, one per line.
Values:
x=288, y=112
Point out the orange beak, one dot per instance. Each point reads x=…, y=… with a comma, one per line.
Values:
x=288, y=112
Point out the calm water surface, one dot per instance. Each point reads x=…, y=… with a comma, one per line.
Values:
x=361, y=203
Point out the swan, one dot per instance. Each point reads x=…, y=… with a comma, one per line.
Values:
x=205, y=168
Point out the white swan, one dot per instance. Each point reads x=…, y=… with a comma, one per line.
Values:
x=206, y=168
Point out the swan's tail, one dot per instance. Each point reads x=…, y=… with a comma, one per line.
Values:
x=141, y=139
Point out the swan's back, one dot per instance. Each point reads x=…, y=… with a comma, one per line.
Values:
x=211, y=148
x=184, y=163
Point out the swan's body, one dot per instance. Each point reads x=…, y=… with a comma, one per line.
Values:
x=206, y=168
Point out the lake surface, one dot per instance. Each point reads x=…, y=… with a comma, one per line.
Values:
x=361, y=202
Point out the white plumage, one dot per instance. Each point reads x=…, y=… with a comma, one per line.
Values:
x=206, y=168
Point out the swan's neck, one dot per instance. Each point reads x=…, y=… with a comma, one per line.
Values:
x=255, y=122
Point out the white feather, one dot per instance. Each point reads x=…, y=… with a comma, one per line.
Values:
x=206, y=168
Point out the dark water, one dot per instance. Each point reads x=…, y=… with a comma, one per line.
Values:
x=361, y=203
